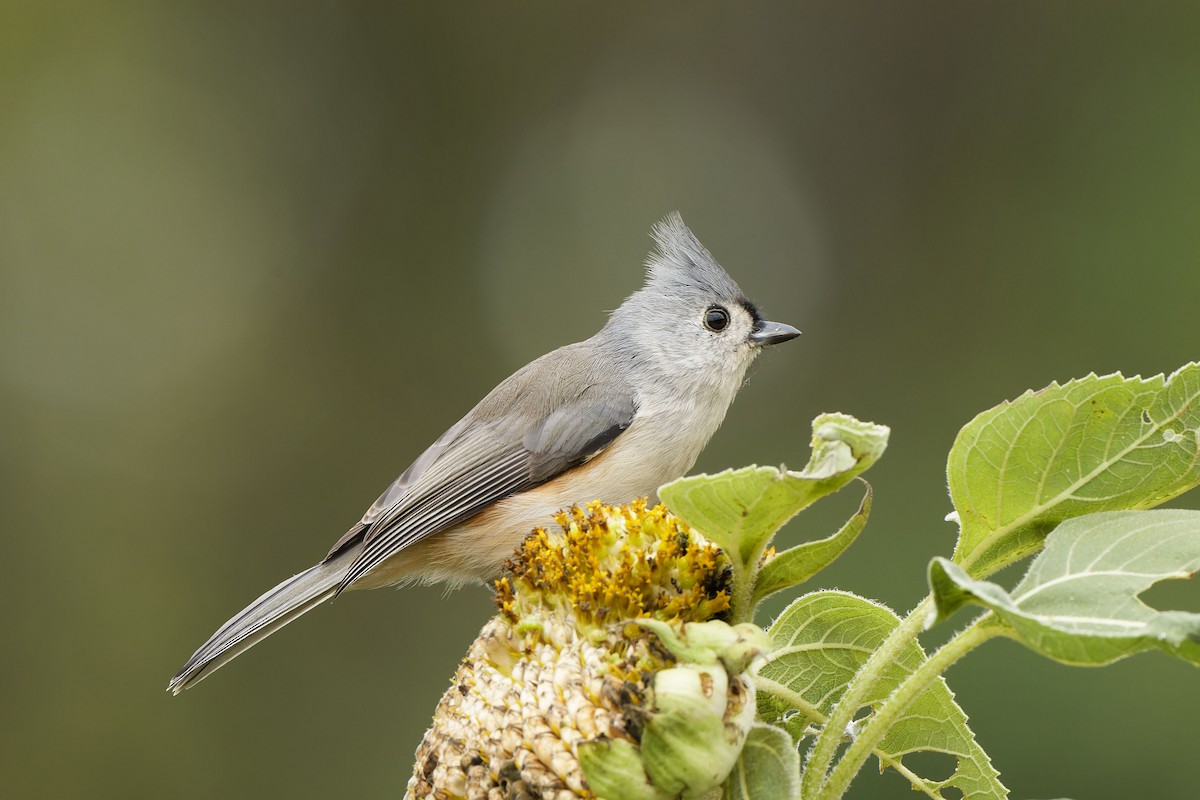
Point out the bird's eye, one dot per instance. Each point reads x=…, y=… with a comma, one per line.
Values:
x=716, y=318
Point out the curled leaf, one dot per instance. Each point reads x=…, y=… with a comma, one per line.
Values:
x=1079, y=603
x=741, y=509
x=796, y=565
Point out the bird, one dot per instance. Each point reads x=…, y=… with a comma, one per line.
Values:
x=610, y=418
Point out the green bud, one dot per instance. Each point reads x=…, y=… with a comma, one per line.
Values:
x=695, y=732
x=709, y=642
x=614, y=769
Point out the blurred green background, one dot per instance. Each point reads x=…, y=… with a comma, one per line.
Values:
x=254, y=257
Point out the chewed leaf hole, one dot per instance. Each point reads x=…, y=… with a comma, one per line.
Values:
x=1179, y=595
x=930, y=765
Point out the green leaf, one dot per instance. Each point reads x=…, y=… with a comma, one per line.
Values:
x=794, y=566
x=1095, y=444
x=768, y=769
x=1079, y=601
x=740, y=510
x=822, y=640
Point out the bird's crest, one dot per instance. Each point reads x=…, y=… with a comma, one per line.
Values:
x=679, y=261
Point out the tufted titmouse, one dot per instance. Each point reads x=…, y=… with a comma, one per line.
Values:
x=611, y=418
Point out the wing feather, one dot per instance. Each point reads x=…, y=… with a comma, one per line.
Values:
x=517, y=438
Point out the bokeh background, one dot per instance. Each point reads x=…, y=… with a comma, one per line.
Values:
x=254, y=257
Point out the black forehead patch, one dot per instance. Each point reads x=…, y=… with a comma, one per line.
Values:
x=751, y=309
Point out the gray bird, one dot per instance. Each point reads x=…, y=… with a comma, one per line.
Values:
x=610, y=418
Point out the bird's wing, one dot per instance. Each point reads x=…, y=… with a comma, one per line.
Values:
x=394, y=492
x=521, y=435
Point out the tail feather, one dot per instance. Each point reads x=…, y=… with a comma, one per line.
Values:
x=286, y=602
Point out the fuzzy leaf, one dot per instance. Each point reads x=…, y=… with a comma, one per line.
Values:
x=822, y=640
x=1078, y=603
x=740, y=510
x=796, y=565
x=768, y=769
x=1095, y=444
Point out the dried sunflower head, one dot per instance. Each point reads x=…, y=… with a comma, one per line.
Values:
x=608, y=650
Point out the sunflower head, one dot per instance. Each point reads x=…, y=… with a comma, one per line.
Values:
x=608, y=670
x=611, y=564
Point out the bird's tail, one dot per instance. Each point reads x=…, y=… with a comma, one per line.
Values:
x=260, y=619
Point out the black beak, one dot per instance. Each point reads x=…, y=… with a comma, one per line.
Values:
x=772, y=333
